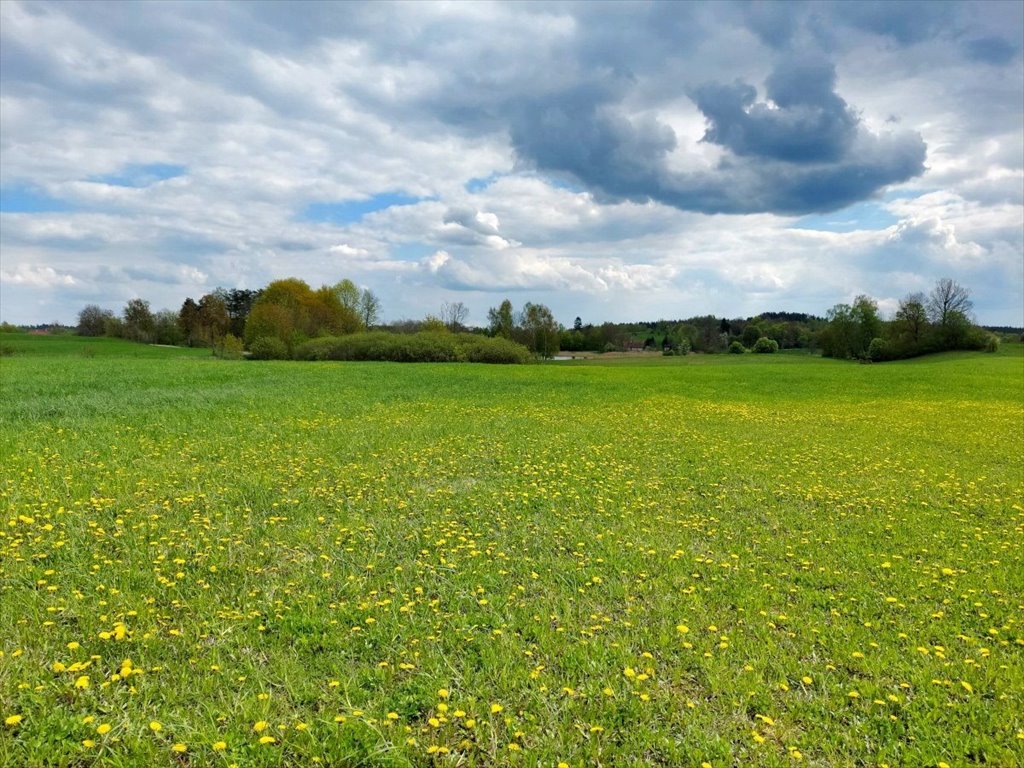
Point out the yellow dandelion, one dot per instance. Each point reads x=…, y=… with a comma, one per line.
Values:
x=267, y=740
x=12, y=720
x=155, y=726
x=103, y=728
x=496, y=708
x=220, y=746
x=82, y=682
x=179, y=748
x=259, y=725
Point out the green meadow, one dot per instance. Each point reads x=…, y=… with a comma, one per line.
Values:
x=756, y=560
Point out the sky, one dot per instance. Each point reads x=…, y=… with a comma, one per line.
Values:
x=614, y=161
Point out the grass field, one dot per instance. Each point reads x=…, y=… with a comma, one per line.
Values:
x=730, y=560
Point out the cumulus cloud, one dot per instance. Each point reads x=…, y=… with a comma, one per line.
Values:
x=36, y=276
x=801, y=151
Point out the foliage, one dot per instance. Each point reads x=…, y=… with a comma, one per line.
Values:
x=737, y=348
x=422, y=347
x=92, y=320
x=501, y=320
x=537, y=330
x=268, y=348
x=358, y=560
x=764, y=345
x=230, y=347
x=138, y=321
x=291, y=312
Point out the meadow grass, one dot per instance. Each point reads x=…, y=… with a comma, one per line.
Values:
x=732, y=560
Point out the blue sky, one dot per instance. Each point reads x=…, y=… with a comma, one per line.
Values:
x=615, y=161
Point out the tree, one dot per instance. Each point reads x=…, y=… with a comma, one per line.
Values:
x=539, y=330
x=239, y=303
x=369, y=308
x=454, y=314
x=292, y=312
x=868, y=326
x=188, y=321
x=500, y=320
x=577, y=324
x=166, y=329
x=946, y=298
x=212, y=318
x=138, y=321
x=92, y=320
x=348, y=294
x=911, y=321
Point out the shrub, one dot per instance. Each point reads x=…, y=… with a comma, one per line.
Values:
x=766, y=346
x=483, y=349
x=879, y=350
x=992, y=344
x=230, y=348
x=736, y=348
x=268, y=348
x=423, y=347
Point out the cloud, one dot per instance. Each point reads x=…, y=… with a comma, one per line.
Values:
x=802, y=151
x=36, y=276
x=639, y=159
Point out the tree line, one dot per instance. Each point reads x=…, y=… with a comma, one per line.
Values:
x=280, y=320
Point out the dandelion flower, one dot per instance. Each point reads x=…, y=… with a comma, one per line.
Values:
x=155, y=726
x=12, y=720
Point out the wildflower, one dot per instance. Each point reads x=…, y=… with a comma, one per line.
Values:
x=82, y=682
x=155, y=726
x=259, y=725
x=267, y=740
x=179, y=748
x=12, y=720
x=103, y=728
x=496, y=708
x=220, y=746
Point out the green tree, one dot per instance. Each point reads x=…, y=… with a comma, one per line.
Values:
x=501, y=321
x=538, y=329
x=138, y=321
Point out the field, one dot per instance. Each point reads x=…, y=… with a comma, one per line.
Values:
x=730, y=560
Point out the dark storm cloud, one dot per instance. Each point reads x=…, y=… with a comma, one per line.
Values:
x=807, y=122
x=803, y=151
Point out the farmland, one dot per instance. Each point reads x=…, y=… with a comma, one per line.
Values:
x=757, y=560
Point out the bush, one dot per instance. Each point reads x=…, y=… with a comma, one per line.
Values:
x=268, y=348
x=230, y=348
x=880, y=350
x=736, y=348
x=765, y=346
x=992, y=344
x=423, y=347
